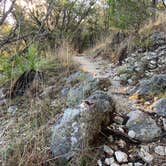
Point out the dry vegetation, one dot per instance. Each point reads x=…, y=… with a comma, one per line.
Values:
x=25, y=133
x=113, y=50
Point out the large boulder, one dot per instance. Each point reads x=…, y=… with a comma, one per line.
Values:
x=77, y=128
x=160, y=107
x=143, y=125
x=154, y=85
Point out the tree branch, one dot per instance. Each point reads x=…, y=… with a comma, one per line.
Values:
x=5, y=15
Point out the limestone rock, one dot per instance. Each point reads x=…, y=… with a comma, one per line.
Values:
x=79, y=126
x=131, y=134
x=138, y=164
x=145, y=155
x=109, y=161
x=121, y=156
x=99, y=163
x=143, y=125
x=161, y=150
x=108, y=150
x=155, y=85
x=160, y=107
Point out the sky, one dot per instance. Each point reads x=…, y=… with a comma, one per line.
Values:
x=26, y=4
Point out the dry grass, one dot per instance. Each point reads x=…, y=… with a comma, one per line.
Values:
x=106, y=49
x=65, y=53
x=151, y=25
x=25, y=138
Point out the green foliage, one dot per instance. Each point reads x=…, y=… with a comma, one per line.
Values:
x=128, y=14
x=12, y=67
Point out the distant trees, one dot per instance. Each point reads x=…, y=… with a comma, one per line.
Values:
x=128, y=14
x=79, y=22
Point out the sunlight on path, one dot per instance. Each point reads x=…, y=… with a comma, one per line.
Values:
x=88, y=64
x=100, y=68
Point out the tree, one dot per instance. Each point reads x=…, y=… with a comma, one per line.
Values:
x=128, y=14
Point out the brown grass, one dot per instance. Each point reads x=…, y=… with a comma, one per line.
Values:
x=26, y=141
x=105, y=49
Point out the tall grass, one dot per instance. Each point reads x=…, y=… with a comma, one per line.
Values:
x=28, y=136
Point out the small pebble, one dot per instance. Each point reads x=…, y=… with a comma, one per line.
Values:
x=161, y=150
x=131, y=134
x=108, y=150
x=121, y=156
x=121, y=129
x=138, y=164
x=109, y=161
x=99, y=163
x=147, y=157
x=147, y=103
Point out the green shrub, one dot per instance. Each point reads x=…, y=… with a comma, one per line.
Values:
x=12, y=67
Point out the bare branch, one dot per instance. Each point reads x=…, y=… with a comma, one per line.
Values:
x=164, y=4
x=5, y=15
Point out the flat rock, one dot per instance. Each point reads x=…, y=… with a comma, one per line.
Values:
x=143, y=125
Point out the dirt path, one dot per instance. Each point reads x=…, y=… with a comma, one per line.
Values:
x=100, y=68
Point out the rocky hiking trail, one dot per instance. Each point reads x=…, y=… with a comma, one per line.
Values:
x=115, y=114
x=102, y=69
x=134, y=136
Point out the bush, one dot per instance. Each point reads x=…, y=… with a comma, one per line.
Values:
x=12, y=67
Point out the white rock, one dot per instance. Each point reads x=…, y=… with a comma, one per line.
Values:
x=99, y=163
x=128, y=164
x=145, y=148
x=147, y=103
x=114, y=164
x=161, y=150
x=121, y=129
x=109, y=161
x=147, y=157
x=130, y=81
x=138, y=164
x=108, y=150
x=131, y=134
x=121, y=156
